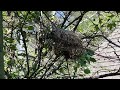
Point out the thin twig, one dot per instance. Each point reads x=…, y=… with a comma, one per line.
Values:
x=36, y=71
x=65, y=19
x=54, y=70
x=104, y=75
x=68, y=68
x=88, y=37
x=50, y=65
x=79, y=20
x=53, y=24
x=72, y=22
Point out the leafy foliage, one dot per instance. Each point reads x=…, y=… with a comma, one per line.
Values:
x=28, y=49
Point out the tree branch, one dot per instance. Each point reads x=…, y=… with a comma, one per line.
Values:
x=65, y=19
x=2, y=73
x=92, y=37
x=25, y=46
x=50, y=65
x=53, y=24
x=82, y=14
x=104, y=75
x=54, y=70
x=73, y=21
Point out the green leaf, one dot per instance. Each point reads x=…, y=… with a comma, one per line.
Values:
x=30, y=28
x=111, y=16
x=13, y=47
x=87, y=58
x=61, y=70
x=10, y=62
x=9, y=40
x=82, y=63
x=100, y=21
x=92, y=60
x=80, y=29
x=111, y=25
x=96, y=27
x=90, y=52
x=87, y=71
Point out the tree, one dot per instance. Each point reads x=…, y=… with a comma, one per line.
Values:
x=1, y=49
x=42, y=44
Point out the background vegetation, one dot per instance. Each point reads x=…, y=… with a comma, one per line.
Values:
x=28, y=49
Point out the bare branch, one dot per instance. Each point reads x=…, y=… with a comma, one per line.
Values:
x=65, y=19
x=72, y=21
x=49, y=66
x=104, y=75
x=25, y=46
x=88, y=37
x=79, y=20
x=54, y=70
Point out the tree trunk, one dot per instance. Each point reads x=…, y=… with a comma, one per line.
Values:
x=1, y=49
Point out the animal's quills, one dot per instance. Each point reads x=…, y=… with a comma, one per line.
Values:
x=67, y=43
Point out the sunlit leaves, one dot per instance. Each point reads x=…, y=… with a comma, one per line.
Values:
x=111, y=25
x=61, y=70
x=10, y=62
x=8, y=40
x=79, y=28
x=30, y=28
x=104, y=21
x=13, y=47
x=92, y=23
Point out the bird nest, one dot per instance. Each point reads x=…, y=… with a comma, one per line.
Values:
x=67, y=43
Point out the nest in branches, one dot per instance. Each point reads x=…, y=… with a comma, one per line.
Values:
x=67, y=43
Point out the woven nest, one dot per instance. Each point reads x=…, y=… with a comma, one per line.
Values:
x=67, y=43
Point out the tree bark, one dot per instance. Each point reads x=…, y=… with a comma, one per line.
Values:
x=1, y=49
